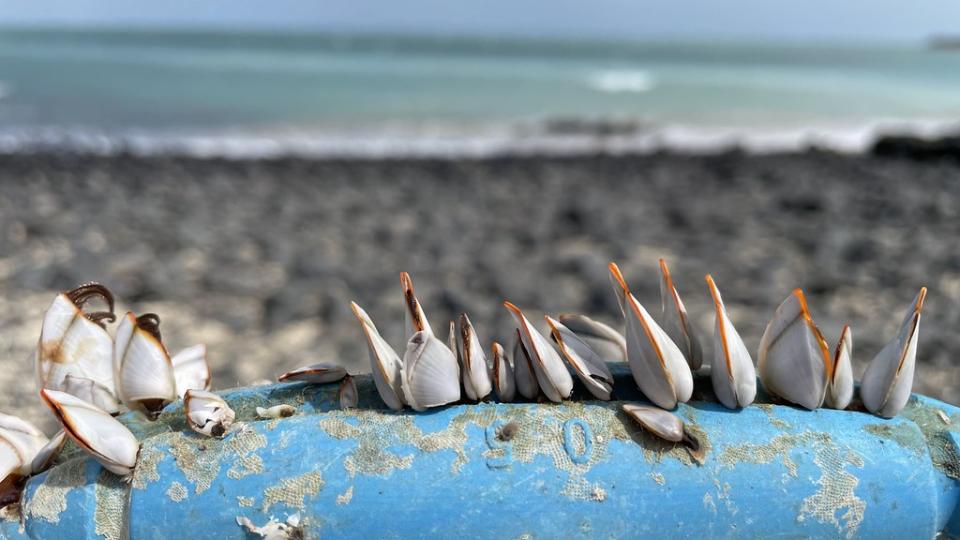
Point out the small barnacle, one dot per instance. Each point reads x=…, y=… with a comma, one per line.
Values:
x=314, y=373
x=668, y=427
x=508, y=431
x=291, y=529
x=277, y=411
x=503, y=378
x=347, y=393
x=207, y=413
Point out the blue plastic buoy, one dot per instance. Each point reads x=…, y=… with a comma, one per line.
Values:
x=581, y=469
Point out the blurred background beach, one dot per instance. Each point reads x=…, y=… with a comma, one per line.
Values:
x=245, y=171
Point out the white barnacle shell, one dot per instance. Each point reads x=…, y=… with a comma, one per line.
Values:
x=675, y=320
x=94, y=430
x=431, y=376
x=608, y=343
x=886, y=384
x=503, y=378
x=665, y=425
x=207, y=413
x=840, y=389
x=277, y=411
x=384, y=362
x=590, y=368
x=527, y=385
x=190, y=369
x=347, y=393
x=20, y=441
x=142, y=368
x=46, y=455
x=476, y=374
x=291, y=529
x=315, y=373
x=551, y=373
x=74, y=342
x=415, y=319
x=732, y=373
x=794, y=360
x=657, y=364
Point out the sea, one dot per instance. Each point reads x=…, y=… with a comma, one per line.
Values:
x=263, y=93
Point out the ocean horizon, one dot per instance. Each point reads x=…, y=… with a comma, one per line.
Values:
x=265, y=93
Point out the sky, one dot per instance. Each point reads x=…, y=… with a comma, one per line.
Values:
x=785, y=20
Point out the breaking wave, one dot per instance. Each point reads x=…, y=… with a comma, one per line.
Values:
x=621, y=81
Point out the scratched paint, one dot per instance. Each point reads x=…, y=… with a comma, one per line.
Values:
x=904, y=434
x=146, y=469
x=943, y=452
x=293, y=492
x=779, y=448
x=771, y=412
x=50, y=498
x=111, y=500
x=346, y=496
x=200, y=458
x=837, y=492
x=177, y=492
x=574, y=436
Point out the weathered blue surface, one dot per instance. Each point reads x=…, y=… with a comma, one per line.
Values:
x=577, y=470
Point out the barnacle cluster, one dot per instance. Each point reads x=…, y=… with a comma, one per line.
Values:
x=87, y=376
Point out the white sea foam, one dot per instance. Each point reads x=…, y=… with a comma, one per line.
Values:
x=617, y=81
x=395, y=142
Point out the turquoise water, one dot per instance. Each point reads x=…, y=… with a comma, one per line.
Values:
x=340, y=92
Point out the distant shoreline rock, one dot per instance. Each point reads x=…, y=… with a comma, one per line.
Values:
x=918, y=148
